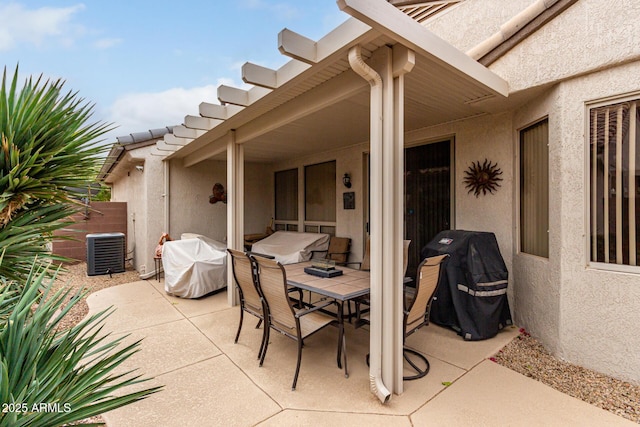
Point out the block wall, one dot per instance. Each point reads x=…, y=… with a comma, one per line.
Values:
x=101, y=217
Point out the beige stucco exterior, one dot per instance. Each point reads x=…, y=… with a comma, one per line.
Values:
x=141, y=188
x=188, y=201
x=581, y=313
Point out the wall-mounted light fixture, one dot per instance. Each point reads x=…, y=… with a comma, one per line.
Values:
x=140, y=168
x=346, y=180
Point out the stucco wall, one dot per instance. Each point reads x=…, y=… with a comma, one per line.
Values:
x=537, y=280
x=191, y=187
x=584, y=315
x=143, y=192
x=473, y=21
x=584, y=37
x=190, y=210
x=600, y=310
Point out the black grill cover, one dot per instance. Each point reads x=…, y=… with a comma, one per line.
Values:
x=472, y=295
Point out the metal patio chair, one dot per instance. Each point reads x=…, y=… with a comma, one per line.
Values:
x=417, y=304
x=283, y=316
x=250, y=300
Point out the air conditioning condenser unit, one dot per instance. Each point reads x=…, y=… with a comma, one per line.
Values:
x=105, y=253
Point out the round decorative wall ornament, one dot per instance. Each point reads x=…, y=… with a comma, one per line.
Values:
x=482, y=177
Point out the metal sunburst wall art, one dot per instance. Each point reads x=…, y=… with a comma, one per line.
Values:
x=482, y=178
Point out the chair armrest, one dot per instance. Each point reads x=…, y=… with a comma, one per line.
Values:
x=261, y=255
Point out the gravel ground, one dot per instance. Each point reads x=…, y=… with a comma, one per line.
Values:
x=524, y=355
x=528, y=357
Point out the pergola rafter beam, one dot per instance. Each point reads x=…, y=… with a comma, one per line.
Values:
x=217, y=111
x=259, y=76
x=187, y=132
x=297, y=46
x=162, y=146
x=177, y=141
x=202, y=123
x=236, y=96
x=330, y=47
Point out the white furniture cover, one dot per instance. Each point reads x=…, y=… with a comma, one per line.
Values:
x=289, y=247
x=194, y=267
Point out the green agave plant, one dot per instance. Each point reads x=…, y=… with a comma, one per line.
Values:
x=48, y=151
x=50, y=377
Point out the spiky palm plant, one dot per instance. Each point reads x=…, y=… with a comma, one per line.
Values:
x=47, y=149
x=50, y=377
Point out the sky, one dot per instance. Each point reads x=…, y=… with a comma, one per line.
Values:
x=146, y=64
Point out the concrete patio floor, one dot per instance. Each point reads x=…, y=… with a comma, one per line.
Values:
x=210, y=381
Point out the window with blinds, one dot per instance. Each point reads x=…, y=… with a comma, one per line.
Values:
x=614, y=182
x=534, y=189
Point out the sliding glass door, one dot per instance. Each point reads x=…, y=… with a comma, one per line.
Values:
x=428, y=196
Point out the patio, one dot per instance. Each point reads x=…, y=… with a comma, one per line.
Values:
x=209, y=381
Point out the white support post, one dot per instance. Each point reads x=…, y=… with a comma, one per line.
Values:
x=385, y=73
x=403, y=62
x=235, y=206
x=382, y=63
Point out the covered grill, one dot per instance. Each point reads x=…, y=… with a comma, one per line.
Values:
x=472, y=294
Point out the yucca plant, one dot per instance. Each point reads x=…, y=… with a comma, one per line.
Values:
x=48, y=150
x=50, y=377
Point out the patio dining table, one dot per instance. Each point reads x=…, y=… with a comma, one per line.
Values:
x=349, y=285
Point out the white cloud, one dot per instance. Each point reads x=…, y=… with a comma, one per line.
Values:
x=139, y=112
x=107, y=43
x=34, y=26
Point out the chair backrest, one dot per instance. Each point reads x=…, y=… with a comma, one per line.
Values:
x=244, y=277
x=339, y=249
x=426, y=284
x=272, y=282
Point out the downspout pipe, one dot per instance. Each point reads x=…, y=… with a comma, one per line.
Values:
x=509, y=28
x=358, y=65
